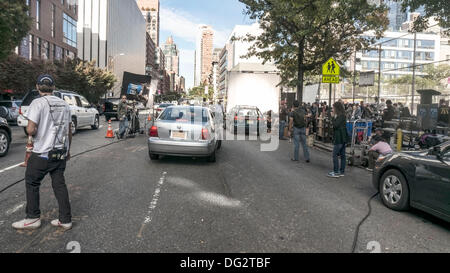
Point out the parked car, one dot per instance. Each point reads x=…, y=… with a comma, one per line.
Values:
x=13, y=109
x=183, y=131
x=5, y=135
x=110, y=108
x=417, y=179
x=83, y=114
x=243, y=118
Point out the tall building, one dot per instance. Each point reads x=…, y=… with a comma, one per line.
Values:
x=150, y=9
x=395, y=14
x=172, y=56
x=203, y=55
x=53, y=33
x=112, y=32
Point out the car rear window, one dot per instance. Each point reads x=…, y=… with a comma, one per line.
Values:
x=29, y=97
x=164, y=105
x=185, y=115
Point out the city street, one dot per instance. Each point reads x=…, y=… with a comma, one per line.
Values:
x=248, y=201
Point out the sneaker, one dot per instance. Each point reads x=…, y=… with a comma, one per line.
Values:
x=57, y=223
x=333, y=175
x=341, y=174
x=369, y=169
x=27, y=224
x=292, y=159
x=308, y=161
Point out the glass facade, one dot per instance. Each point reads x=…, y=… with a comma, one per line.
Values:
x=70, y=30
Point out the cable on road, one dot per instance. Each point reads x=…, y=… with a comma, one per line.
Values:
x=85, y=152
x=355, y=240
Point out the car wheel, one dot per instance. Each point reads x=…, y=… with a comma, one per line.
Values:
x=212, y=157
x=153, y=156
x=74, y=126
x=394, y=190
x=4, y=143
x=96, y=123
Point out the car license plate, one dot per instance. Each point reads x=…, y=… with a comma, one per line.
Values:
x=178, y=135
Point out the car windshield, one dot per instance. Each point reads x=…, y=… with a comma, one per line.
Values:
x=248, y=112
x=185, y=115
x=7, y=104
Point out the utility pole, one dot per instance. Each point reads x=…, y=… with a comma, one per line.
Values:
x=354, y=78
x=379, y=72
x=414, y=73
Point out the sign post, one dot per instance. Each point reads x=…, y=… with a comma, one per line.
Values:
x=330, y=74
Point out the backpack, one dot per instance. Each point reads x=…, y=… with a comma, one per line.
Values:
x=299, y=118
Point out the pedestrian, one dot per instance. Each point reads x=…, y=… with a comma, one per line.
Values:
x=283, y=118
x=122, y=110
x=340, y=140
x=381, y=147
x=49, y=122
x=297, y=122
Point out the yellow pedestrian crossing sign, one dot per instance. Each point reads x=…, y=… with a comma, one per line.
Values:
x=331, y=71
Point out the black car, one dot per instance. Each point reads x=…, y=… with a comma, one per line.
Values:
x=418, y=179
x=110, y=109
x=5, y=135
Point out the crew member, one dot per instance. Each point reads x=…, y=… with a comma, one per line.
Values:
x=49, y=122
x=122, y=110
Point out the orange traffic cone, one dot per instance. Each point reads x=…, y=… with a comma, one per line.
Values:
x=110, y=132
x=28, y=151
x=149, y=118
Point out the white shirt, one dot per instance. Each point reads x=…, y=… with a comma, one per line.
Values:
x=52, y=128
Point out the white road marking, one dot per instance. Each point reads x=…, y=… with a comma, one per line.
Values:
x=10, y=168
x=149, y=216
x=16, y=208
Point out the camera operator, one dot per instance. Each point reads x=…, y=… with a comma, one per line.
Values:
x=49, y=121
x=122, y=110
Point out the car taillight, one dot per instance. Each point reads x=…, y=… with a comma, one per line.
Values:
x=20, y=110
x=205, y=134
x=104, y=108
x=159, y=109
x=153, y=131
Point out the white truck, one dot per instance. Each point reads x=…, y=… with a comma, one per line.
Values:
x=255, y=87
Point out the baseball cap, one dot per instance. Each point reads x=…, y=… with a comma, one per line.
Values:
x=45, y=79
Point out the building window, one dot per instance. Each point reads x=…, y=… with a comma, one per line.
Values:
x=53, y=20
x=31, y=46
x=28, y=5
x=39, y=47
x=38, y=14
x=70, y=30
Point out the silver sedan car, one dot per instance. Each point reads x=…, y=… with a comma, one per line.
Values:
x=187, y=131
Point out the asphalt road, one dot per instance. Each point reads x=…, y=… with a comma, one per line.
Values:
x=248, y=201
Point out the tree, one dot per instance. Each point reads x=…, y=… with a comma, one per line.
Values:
x=14, y=25
x=199, y=91
x=433, y=76
x=433, y=8
x=301, y=35
x=83, y=77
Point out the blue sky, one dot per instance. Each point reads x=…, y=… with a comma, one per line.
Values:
x=180, y=18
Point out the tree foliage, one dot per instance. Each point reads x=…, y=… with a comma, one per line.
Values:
x=199, y=91
x=301, y=35
x=434, y=76
x=14, y=25
x=85, y=78
x=440, y=9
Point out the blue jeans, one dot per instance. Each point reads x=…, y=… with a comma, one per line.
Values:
x=300, y=136
x=339, y=150
x=123, y=125
x=282, y=126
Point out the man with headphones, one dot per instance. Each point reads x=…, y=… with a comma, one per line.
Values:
x=49, y=122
